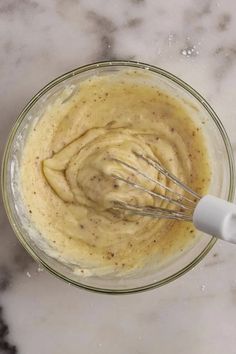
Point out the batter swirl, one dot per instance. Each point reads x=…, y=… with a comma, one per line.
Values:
x=69, y=164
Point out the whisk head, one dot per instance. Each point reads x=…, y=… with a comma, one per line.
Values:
x=179, y=204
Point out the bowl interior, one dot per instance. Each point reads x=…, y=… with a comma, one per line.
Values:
x=222, y=184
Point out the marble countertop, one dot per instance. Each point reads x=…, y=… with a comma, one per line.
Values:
x=40, y=39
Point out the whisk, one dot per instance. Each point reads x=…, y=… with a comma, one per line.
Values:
x=209, y=214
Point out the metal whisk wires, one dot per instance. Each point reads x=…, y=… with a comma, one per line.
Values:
x=184, y=204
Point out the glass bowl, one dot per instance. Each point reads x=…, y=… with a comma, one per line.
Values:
x=222, y=184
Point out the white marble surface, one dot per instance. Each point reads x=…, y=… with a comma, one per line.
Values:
x=40, y=39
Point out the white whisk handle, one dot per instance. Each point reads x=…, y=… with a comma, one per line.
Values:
x=216, y=217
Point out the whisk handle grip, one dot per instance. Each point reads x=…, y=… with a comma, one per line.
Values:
x=216, y=217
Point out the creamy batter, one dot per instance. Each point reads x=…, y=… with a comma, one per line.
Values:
x=69, y=165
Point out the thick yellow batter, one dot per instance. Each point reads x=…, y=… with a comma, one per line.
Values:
x=70, y=160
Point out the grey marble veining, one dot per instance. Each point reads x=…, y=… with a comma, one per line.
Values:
x=40, y=39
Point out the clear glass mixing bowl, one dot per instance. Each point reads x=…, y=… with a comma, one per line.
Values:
x=222, y=185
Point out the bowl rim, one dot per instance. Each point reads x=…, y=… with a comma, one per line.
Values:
x=77, y=71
